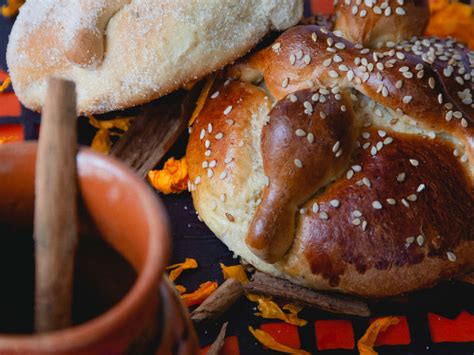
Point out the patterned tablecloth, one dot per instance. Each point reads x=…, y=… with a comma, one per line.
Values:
x=437, y=321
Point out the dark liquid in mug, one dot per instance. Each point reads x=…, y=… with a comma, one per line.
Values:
x=102, y=278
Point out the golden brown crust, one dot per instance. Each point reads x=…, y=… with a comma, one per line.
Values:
x=373, y=24
x=310, y=143
x=394, y=215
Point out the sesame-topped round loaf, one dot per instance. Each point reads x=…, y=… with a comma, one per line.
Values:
x=342, y=167
x=122, y=53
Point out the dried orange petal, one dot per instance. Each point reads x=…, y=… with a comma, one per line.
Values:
x=234, y=272
x=198, y=296
x=366, y=343
x=270, y=310
x=270, y=342
x=189, y=263
x=6, y=83
x=173, y=178
x=12, y=7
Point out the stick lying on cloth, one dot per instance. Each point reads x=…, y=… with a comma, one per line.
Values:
x=273, y=286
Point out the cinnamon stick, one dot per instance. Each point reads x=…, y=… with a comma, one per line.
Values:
x=217, y=345
x=55, y=218
x=268, y=285
x=155, y=130
x=219, y=301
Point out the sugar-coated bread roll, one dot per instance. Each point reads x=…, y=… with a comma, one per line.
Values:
x=122, y=53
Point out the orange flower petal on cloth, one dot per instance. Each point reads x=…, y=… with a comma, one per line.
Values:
x=366, y=343
x=4, y=140
x=180, y=288
x=189, y=263
x=270, y=342
x=199, y=296
x=12, y=7
x=234, y=272
x=270, y=310
x=6, y=83
x=101, y=142
x=173, y=178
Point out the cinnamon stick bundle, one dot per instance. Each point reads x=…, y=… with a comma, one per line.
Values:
x=55, y=219
x=268, y=285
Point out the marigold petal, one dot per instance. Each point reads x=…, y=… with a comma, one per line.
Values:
x=173, y=178
x=270, y=342
x=366, y=343
x=6, y=83
x=180, y=288
x=270, y=310
x=12, y=7
x=200, y=295
x=234, y=272
x=101, y=142
x=189, y=263
x=4, y=140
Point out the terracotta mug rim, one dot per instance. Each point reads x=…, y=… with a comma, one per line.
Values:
x=147, y=281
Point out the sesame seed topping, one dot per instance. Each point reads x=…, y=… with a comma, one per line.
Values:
x=227, y=110
x=300, y=133
x=285, y=82
x=410, y=240
x=228, y=160
x=307, y=59
x=451, y=256
x=401, y=177
x=377, y=205
x=223, y=175
x=349, y=174
x=333, y=74
x=420, y=240
x=298, y=163
x=209, y=127
x=213, y=164
x=412, y=197
x=405, y=203
x=292, y=59
x=356, y=221
x=207, y=153
x=400, y=11
x=292, y=98
x=219, y=136
x=315, y=207
x=414, y=162
x=213, y=96
x=357, y=168
x=210, y=173
x=323, y=215
x=335, y=203
x=276, y=46
x=202, y=134
x=197, y=180
x=314, y=36
x=310, y=137
x=357, y=213
x=302, y=210
x=391, y=201
x=407, y=99
x=431, y=82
